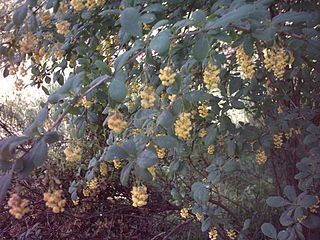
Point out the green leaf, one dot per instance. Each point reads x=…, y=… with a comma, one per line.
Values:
x=117, y=90
x=20, y=14
x=130, y=21
x=125, y=173
x=147, y=159
x=306, y=201
x=198, y=96
x=147, y=18
x=201, y=48
x=167, y=142
x=161, y=42
x=165, y=119
x=199, y=18
x=5, y=182
x=142, y=173
x=269, y=230
x=290, y=192
x=237, y=104
x=200, y=192
x=114, y=152
x=206, y=224
x=39, y=153
x=234, y=85
x=312, y=222
x=277, y=201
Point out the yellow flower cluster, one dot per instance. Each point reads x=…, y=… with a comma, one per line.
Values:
x=213, y=234
x=72, y=154
x=246, y=63
x=183, y=126
x=18, y=84
x=166, y=76
x=63, y=7
x=172, y=98
x=211, y=77
x=148, y=97
x=116, y=123
x=93, y=184
x=291, y=132
x=27, y=42
x=18, y=206
x=198, y=216
x=76, y=201
x=45, y=18
x=152, y=171
x=136, y=131
x=117, y=164
x=22, y=71
x=103, y=168
x=276, y=60
x=232, y=234
x=161, y=152
x=211, y=149
x=203, y=110
x=54, y=200
x=277, y=140
x=139, y=196
x=86, y=192
x=78, y=5
x=58, y=53
x=63, y=27
x=184, y=213
x=12, y=70
x=261, y=157
x=315, y=206
x=301, y=219
x=202, y=132
x=85, y=102
x=39, y=55
x=92, y=4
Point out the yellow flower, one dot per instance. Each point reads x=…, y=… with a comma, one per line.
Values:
x=136, y=131
x=276, y=60
x=86, y=192
x=93, y=184
x=27, y=42
x=18, y=84
x=261, y=157
x=78, y=5
x=116, y=123
x=203, y=110
x=315, y=206
x=183, y=126
x=202, y=133
x=211, y=149
x=246, y=63
x=211, y=77
x=301, y=219
x=184, y=213
x=18, y=206
x=63, y=27
x=148, y=97
x=198, y=216
x=152, y=171
x=166, y=76
x=139, y=196
x=63, y=7
x=72, y=154
x=161, y=152
x=213, y=234
x=45, y=18
x=117, y=164
x=232, y=234
x=277, y=140
x=103, y=169
x=85, y=102
x=76, y=201
x=54, y=200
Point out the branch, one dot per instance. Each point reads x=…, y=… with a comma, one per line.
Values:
x=177, y=228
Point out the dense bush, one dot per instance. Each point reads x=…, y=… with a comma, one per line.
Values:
x=143, y=125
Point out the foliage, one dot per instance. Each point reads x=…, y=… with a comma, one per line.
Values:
x=152, y=88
